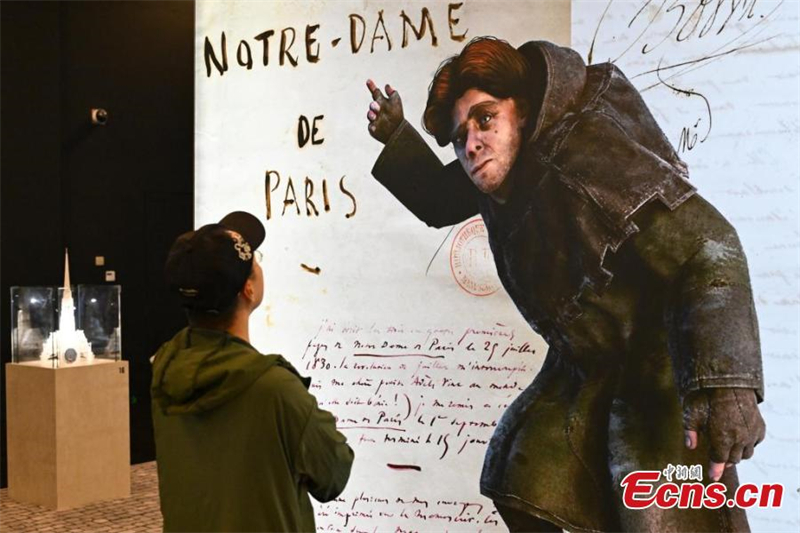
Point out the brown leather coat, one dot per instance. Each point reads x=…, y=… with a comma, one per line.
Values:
x=638, y=285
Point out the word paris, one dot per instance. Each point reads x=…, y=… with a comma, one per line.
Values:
x=314, y=199
x=361, y=34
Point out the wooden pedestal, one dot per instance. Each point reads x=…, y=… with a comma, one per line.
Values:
x=68, y=433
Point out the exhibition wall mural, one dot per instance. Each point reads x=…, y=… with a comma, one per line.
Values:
x=413, y=340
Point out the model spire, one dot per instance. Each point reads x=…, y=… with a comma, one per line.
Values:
x=67, y=285
x=66, y=318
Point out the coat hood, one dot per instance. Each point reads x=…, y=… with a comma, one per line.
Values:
x=594, y=156
x=200, y=369
x=559, y=78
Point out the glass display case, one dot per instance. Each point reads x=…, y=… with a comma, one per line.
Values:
x=98, y=314
x=33, y=321
x=57, y=327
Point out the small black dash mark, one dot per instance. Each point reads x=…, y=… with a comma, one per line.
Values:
x=315, y=270
x=335, y=42
x=404, y=467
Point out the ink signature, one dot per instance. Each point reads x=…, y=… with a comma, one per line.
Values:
x=681, y=21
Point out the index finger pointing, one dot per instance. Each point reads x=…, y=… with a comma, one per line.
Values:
x=374, y=90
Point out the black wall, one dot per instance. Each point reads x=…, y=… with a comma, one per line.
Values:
x=124, y=190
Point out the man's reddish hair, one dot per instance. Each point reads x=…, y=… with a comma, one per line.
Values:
x=486, y=63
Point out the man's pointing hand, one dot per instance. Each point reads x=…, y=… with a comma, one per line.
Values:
x=385, y=112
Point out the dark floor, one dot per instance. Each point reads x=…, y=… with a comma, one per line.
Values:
x=140, y=513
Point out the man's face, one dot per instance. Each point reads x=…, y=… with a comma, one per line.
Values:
x=486, y=135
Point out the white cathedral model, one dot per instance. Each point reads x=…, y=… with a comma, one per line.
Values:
x=70, y=345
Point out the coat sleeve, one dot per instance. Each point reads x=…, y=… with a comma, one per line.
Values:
x=711, y=318
x=324, y=459
x=439, y=195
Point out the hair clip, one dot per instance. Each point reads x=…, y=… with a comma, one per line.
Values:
x=242, y=247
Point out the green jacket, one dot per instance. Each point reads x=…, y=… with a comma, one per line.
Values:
x=240, y=442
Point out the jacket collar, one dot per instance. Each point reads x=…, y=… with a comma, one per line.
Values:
x=559, y=77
